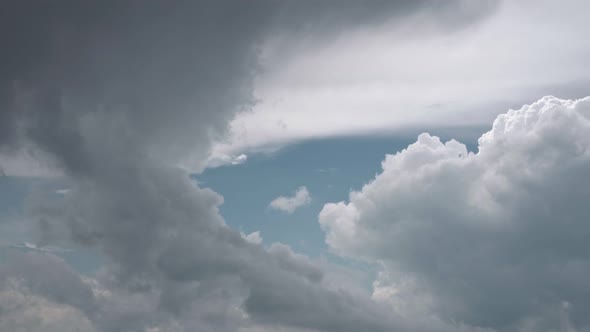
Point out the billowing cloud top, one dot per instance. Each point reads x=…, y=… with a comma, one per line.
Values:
x=494, y=238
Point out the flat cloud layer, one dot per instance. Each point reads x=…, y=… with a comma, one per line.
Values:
x=417, y=72
x=495, y=238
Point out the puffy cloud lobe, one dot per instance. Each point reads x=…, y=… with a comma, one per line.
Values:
x=48, y=276
x=494, y=238
x=300, y=198
x=253, y=237
x=22, y=311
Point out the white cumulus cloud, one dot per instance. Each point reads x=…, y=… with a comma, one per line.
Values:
x=493, y=238
x=288, y=204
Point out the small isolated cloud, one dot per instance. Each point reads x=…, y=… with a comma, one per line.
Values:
x=64, y=191
x=253, y=237
x=225, y=159
x=290, y=204
x=239, y=159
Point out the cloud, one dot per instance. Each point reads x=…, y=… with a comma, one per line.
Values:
x=27, y=163
x=253, y=237
x=23, y=311
x=49, y=275
x=124, y=98
x=412, y=72
x=110, y=65
x=300, y=198
x=223, y=159
x=493, y=238
x=325, y=170
x=34, y=247
x=63, y=191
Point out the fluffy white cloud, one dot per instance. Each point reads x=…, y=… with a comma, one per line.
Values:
x=289, y=204
x=497, y=237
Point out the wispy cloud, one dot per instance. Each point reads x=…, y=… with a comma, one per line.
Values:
x=33, y=247
x=325, y=170
x=62, y=191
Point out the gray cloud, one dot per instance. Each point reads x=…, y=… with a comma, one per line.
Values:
x=22, y=311
x=117, y=95
x=50, y=277
x=496, y=238
x=329, y=16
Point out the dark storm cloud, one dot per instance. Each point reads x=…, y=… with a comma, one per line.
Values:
x=167, y=76
x=119, y=93
x=150, y=68
x=330, y=15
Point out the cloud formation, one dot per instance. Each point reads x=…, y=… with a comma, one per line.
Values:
x=123, y=98
x=417, y=71
x=253, y=237
x=494, y=238
x=289, y=204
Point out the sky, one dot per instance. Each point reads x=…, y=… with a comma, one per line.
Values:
x=294, y=166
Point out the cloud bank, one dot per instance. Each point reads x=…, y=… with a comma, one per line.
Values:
x=122, y=98
x=494, y=238
x=300, y=198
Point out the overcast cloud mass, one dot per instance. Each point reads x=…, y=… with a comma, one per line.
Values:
x=123, y=100
x=442, y=66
